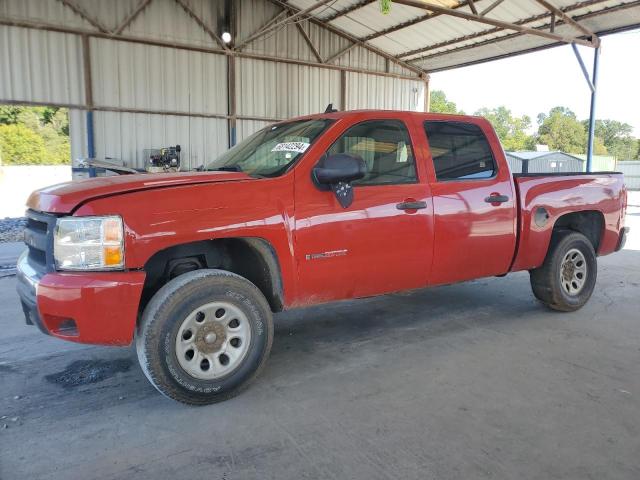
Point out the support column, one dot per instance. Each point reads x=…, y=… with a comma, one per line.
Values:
x=88, y=94
x=427, y=93
x=343, y=90
x=231, y=99
x=592, y=111
x=231, y=16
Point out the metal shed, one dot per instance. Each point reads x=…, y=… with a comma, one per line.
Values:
x=139, y=74
x=544, y=162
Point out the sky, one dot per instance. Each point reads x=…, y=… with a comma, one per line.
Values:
x=536, y=82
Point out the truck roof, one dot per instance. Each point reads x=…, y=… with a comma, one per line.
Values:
x=378, y=112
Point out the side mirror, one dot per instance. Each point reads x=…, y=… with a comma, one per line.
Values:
x=341, y=167
x=336, y=172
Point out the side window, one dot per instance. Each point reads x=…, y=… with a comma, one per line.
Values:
x=384, y=146
x=460, y=151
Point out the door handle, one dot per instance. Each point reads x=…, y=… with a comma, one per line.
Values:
x=496, y=198
x=411, y=205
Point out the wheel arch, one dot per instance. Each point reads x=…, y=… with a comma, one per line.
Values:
x=253, y=258
x=590, y=223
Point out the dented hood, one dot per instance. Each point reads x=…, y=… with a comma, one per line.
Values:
x=65, y=197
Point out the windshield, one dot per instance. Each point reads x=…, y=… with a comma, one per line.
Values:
x=270, y=151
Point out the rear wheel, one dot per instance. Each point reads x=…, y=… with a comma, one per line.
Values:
x=566, y=279
x=204, y=336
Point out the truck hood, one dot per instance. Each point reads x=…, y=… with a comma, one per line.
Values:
x=65, y=197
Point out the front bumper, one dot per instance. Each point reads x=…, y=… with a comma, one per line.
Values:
x=88, y=307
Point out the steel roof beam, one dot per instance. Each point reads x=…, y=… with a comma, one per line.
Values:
x=82, y=13
x=132, y=16
x=567, y=19
x=538, y=48
x=583, y=68
x=491, y=7
x=341, y=33
x=498, y=23
x=483, y=33
x=297, y=13
x=409, y=23
x=255, y=34
x=514, y=35
x=202, y=24
x=340, y=53
x=310, y=44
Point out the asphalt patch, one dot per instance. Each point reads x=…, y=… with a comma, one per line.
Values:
x=85, y=372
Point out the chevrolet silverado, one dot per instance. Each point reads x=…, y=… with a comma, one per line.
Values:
x=191, y=266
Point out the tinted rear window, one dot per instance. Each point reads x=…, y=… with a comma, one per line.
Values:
x=460, y=151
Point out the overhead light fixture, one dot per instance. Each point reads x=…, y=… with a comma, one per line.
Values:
x=226, y=37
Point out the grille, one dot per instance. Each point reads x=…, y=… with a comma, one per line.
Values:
x=38, y=235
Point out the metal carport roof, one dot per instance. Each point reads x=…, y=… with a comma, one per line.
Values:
x=442, y=34
x=429, y=36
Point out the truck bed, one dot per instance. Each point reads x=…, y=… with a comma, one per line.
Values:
x=544, y=199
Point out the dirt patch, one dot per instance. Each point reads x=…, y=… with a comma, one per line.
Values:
x=84, y=372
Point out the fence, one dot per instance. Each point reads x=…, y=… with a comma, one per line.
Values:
x=631, y=170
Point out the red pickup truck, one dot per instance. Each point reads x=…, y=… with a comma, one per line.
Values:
x=317, y=209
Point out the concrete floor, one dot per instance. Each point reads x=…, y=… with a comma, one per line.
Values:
x=470, y=381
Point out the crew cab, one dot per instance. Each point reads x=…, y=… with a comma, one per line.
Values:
x=191, y=266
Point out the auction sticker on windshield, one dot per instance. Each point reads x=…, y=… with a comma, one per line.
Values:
x=298, y=147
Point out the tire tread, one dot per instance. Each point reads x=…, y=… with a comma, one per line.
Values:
x=181, y=286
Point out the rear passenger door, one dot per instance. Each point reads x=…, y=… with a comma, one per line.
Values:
x=473, y=200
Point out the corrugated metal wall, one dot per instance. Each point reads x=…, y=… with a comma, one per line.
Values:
x=387, y=93
x=123, y=137
x=631, y=170
x=47, y=67
x=515, y=164
x=555, y=163
x=40, y=66
x=275, y=90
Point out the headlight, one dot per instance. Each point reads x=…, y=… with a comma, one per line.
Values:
x=89, y=243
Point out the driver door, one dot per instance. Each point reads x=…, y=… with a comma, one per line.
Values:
x=377, y=244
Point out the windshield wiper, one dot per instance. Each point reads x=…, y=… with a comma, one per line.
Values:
x=234, y=168
x=226, y=168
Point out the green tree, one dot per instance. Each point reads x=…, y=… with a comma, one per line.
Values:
x=561, y=130
x=610, y=130
x=512, y=131
x=616, y=137
x=624, y=148
x=599, y=148
x=19, y=145
x=440, y=104
x=38, y=135
x=9, y=114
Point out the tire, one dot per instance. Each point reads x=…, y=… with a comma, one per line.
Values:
x=184, y=319
x=566, y=288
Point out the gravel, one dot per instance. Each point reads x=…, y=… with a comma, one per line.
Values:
x=11, y=229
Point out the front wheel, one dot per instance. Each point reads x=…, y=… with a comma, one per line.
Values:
x=204, y=336
x=566, y=279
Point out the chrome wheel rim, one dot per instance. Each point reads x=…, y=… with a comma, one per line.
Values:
x=213, y=340
x=573, y=272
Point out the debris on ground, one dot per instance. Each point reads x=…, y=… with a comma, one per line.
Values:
x=12, y=229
